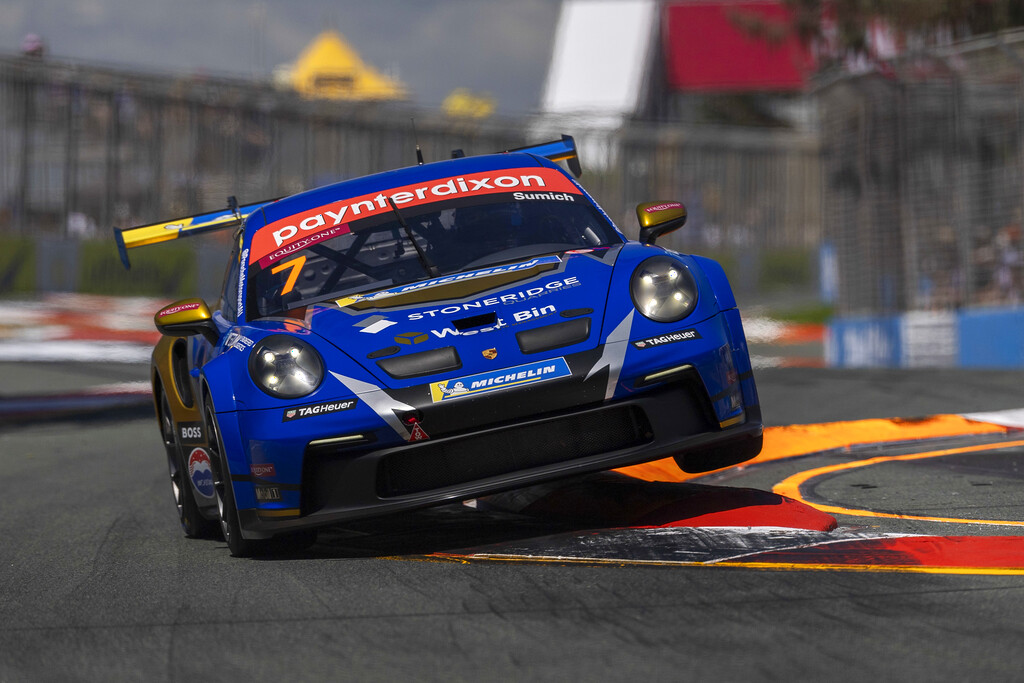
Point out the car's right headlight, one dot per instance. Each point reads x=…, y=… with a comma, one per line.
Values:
x=663, y=289
x=285, y=366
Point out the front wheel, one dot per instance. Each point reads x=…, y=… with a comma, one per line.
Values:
x=189, y=516
x=230, y=527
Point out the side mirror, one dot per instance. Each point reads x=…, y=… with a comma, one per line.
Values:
x=659, y=218
x=185, y=318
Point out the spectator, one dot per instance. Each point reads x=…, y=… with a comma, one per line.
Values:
x=32, y=46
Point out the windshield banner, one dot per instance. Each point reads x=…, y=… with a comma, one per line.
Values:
x=276, y=239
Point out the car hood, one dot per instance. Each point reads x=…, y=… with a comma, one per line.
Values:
x=481, y=320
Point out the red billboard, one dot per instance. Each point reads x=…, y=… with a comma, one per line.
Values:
x=741, y=46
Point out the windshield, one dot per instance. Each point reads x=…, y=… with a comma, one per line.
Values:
x=376, y=252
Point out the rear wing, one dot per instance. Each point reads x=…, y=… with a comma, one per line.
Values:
x=556, y=150
x=187, y=226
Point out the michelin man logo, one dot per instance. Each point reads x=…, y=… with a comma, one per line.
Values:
x=459, y=388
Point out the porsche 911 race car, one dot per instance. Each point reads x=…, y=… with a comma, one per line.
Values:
x=434, y=334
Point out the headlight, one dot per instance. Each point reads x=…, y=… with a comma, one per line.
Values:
x=663, y=289
x=285, y=367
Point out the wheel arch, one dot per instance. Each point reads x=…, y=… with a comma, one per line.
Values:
x=719, y=282
x=168, y=370
x=217, y=393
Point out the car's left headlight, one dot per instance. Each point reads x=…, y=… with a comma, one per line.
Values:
x=663, y=289
x=285, y=366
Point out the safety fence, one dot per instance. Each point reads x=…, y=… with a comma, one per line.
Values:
x=924, y=171
x=84, y=148
x=923, y=164
x=903, y=209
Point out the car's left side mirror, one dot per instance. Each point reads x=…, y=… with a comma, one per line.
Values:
x=185, y=318
x=659, y=218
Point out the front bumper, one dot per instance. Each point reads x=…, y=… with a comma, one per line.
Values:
x=674, y=420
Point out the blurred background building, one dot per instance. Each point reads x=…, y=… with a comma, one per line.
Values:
x=867, y=168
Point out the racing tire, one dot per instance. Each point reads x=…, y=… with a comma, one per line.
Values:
x=192, y=521
x=230, y=526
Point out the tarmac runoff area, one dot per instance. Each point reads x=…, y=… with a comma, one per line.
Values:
x=937, y=494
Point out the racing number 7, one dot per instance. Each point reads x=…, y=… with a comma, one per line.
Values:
x=296, y=265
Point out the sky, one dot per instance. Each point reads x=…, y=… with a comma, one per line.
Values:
x=500, y=47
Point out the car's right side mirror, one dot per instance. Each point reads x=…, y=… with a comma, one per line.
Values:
x=659, y=218
x=185, y=318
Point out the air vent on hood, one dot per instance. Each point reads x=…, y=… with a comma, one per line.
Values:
x=423, y=363
x=554, y=336
x=576, y=312
x=386, y=351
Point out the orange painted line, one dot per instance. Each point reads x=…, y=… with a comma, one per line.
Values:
x=796, y=440
x=893, y=568
x=776, y=566
x=790, y=487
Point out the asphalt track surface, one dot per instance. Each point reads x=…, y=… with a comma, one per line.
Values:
x=99, y=584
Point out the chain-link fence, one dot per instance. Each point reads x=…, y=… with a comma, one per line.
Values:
x=924, y=171
x=83, y=149
x=924, y=190
x=911, y=191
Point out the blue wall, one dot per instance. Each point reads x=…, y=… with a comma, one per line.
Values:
x=991, y=338
x=984, y=338
x=863, y=342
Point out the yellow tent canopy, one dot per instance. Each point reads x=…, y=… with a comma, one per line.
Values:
x=465, y=104
x=330, y=68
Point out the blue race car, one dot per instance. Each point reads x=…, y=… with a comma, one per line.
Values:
x=433, y=334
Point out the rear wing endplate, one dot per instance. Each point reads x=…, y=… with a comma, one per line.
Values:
x=556, y=150
x=187, y=226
